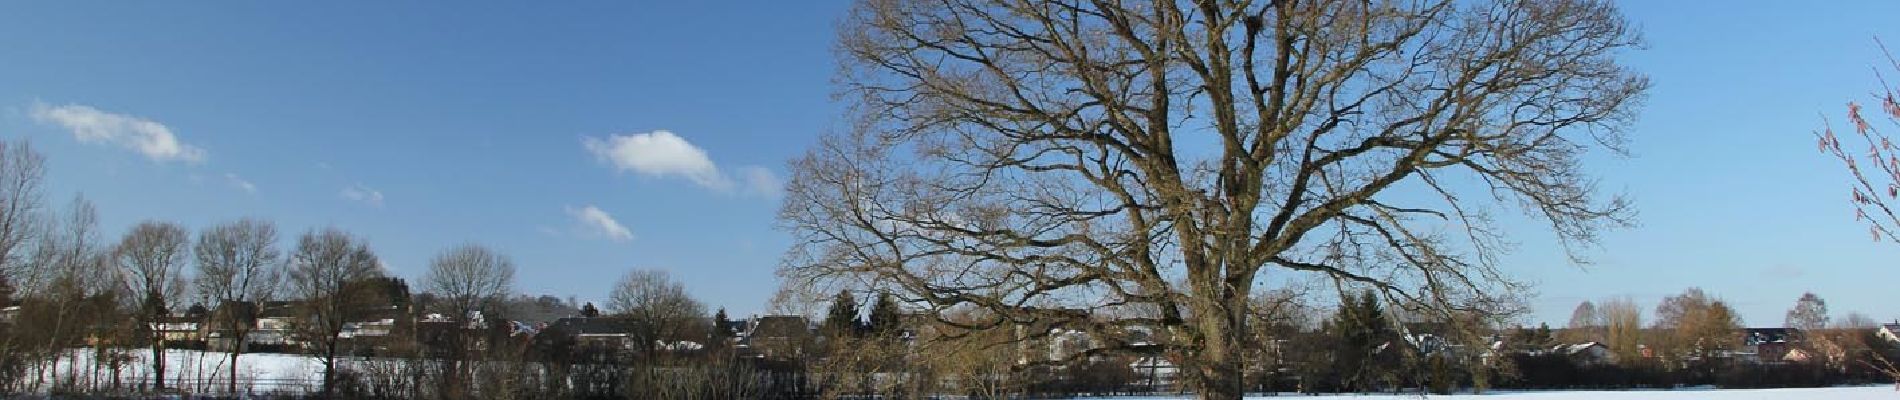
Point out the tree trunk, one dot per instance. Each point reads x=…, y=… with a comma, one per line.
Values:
x=329, y=369
x=158, y=364
x=1216, y=368
x=1220, y=379
x=236, y=348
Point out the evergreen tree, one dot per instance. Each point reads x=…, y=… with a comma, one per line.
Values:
x=1544, y=338
x=842, y=318
x=589, y=311
x=884, y=316
x=1366, y=347
x=721, y=333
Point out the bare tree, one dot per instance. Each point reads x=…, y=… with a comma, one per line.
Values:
x=67, y=281
x=239, y=267
x=1039, y=158
x=151, y=260
x=1586, y=324
x=658, y=308
x=467, y=280
x=1809, y=313
x=470, y=278
x=22, y=171
x=1857, y=320
x=326, y=272
x=1623, y=329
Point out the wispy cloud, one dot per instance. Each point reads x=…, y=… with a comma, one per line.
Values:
x=93, y=126
x=761, y=181
x=663, y=154
x=598, y=222
x=363, y=194
x=240, y=183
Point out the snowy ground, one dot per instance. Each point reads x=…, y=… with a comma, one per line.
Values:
x=1884, y=392
x=263, y=373
x=190, y=369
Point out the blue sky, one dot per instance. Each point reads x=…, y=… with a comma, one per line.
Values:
x=422, y=126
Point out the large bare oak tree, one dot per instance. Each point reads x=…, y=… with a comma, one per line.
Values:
x=1049, y=160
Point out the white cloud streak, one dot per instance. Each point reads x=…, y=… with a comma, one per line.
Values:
x=363, y=194
x=93, y=126
x=761, y=181
x=240, y=183
x=663, y=154
x=598, y=222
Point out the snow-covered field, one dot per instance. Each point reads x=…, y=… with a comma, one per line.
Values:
x=1883, y=392
x=295, y=373
x=189, y=369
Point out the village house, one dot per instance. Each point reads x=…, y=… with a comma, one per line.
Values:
x=1586, y=353
x=1891, y=332
x=777, y=336
x=273, y=329
x=219, y=335
x=1769, y=346
x=596, y=333
x=180, y=331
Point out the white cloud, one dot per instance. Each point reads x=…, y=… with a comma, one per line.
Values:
x=363, y=194
x=92, y=126
x=658, y=154
x=761, y=181
x=663, y=154
x=600, y=223
x=240, y=183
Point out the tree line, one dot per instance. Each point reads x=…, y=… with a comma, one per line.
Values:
x=83, y=310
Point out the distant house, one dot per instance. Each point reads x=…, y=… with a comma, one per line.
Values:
x=369, y=329
x=8, y=313
x=1152, y=367
x=1586, y=353
x=736, y=329
x=1769, y=345
x=1891, y=332
x=778, y=336
x=596, y=333
x=179, y=331
x=273, y=329
x=1066, y=343
x=219, y=335
x=1429, y=337
x=380, y=321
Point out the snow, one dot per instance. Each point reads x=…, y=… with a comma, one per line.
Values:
x=265, y=372
x=1882, y=392
x=261, y=372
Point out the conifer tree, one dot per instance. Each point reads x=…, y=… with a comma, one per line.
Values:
x=720, y=333
x=842, y=318
x=884, y=316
